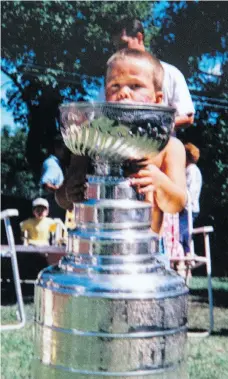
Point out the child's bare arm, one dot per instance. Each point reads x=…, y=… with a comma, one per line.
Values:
x=184, y=121
x=168, y=183
x=171, y=195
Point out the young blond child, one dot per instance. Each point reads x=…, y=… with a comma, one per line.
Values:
x=135, y=76
x=37, y=229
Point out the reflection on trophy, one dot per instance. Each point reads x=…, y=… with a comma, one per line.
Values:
x=110, y=308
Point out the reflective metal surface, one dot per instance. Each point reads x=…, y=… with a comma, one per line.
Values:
x=63, y=372
x=108, y=187
x=116, y=131
x=114, y=244
x=112, y=214
x=93, y=325
x=110, y=309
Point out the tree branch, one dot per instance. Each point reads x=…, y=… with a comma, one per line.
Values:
x=13, y=78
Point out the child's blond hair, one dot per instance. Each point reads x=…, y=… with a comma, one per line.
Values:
x=156, y=67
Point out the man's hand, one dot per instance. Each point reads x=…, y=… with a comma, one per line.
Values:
x=50, y=187
x=73, y=190
x=76, y=188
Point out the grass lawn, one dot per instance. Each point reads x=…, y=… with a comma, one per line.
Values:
x=207, y=357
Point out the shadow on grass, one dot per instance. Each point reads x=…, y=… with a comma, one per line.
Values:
x=220, y=333
x=29, y=268
x=220, y=297
x=8, y=295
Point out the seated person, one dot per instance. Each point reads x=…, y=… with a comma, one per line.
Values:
x=136, y=76
x=39, y=227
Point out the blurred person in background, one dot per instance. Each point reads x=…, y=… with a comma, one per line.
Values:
x=194, y=185
x=52, y=175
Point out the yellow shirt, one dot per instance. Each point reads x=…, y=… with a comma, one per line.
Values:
x=38, y=230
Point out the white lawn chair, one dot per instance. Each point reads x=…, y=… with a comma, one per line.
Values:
x=11, y=253
x=60, y=235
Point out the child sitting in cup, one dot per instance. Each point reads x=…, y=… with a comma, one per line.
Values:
x=135, y=76
x=37, y=229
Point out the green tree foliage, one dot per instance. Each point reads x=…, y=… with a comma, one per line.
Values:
x=69, y=43
x=17, y=179
x=190, y=29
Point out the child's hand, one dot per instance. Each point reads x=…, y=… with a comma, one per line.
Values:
x=146, y=179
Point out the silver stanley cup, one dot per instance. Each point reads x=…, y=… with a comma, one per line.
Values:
x=110, y=309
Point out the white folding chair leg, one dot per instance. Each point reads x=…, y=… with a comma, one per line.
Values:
x=209, y=286
x=210, y=293
x=16, y=276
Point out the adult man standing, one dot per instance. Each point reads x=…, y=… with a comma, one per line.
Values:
x=52, y=174
x=130, y=33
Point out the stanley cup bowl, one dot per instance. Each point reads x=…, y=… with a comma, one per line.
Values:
x=116, y=131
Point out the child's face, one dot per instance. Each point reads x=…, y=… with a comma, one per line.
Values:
x=40, y=212
x=130, y=80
